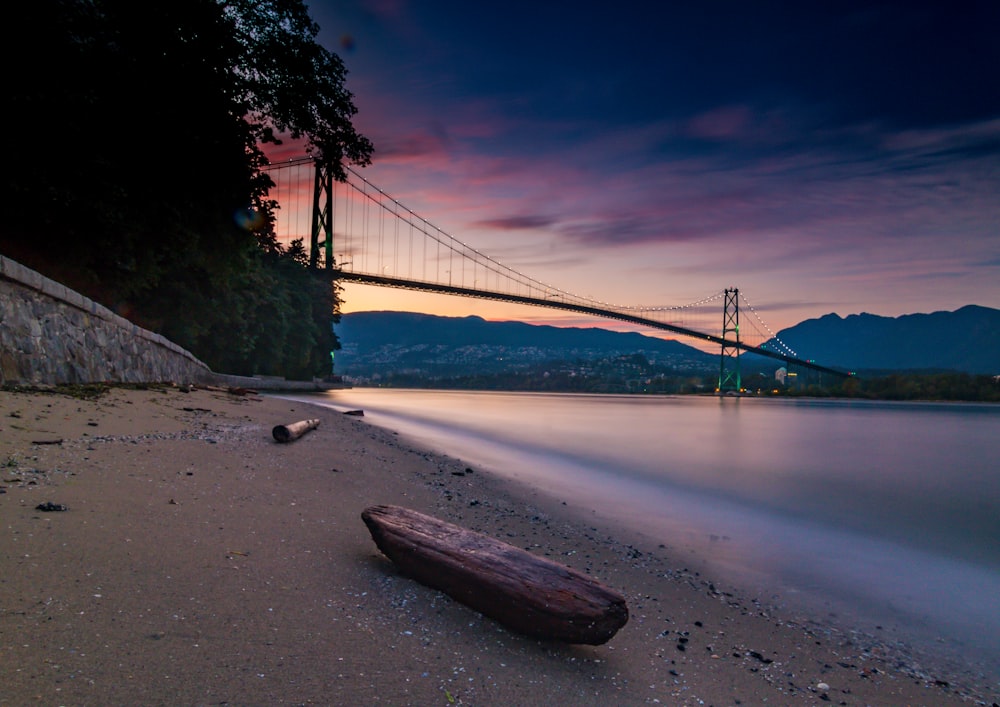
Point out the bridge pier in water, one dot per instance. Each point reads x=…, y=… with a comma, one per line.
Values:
x=729, y=358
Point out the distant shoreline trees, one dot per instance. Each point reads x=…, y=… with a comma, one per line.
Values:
x=910, y=386
x=134, y=167
x=609, y=377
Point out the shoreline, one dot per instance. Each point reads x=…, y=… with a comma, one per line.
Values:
x=204, y=562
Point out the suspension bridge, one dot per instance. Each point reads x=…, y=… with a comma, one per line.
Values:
x=363, y=235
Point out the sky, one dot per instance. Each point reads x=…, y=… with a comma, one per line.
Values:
x=822, y=156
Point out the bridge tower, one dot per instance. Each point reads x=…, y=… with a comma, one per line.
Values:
x=729, y=359
x=322, y=216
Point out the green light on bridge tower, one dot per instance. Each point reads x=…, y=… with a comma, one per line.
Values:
x=729, y=359
x=322, y=216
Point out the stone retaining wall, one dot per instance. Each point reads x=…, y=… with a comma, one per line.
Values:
x=50, y=334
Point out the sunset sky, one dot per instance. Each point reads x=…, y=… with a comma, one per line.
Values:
x=823, y=157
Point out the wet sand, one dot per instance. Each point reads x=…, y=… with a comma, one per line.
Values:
x=199, y=562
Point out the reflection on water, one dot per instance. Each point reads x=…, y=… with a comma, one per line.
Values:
x=890, y=511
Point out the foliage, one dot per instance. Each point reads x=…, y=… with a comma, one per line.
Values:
x=941, y=386
x=616, y=374
x=136, y=175
x=635, y=375
x=290, y=84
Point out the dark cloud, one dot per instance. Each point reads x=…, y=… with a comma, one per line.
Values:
x=411, y=145
x=516, y=223
x=989, y=263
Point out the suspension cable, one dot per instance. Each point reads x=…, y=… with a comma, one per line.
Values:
x=773, y=336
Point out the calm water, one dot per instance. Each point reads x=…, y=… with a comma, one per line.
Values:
x=888, y=513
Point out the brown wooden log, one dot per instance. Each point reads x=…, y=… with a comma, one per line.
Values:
x=290, y=433
x=527, y=593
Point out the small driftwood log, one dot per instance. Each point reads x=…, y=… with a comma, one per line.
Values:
x=290, y=433
x=527, y=593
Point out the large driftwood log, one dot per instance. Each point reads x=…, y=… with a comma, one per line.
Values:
x=290, y=433
x=525, y=592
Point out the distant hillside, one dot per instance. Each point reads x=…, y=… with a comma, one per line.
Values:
x=377, y=344
x=384, y=342
x=966, y=340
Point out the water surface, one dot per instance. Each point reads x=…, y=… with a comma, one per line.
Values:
x=888, y=513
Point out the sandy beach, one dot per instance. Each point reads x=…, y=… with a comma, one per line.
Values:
x=189, y=559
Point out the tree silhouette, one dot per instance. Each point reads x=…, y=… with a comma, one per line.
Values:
x=134, y=163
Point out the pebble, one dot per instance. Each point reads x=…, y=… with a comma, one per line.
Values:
x=49, y=507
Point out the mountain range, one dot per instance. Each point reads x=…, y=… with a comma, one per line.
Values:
x=966, y=340
x=377, y=343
